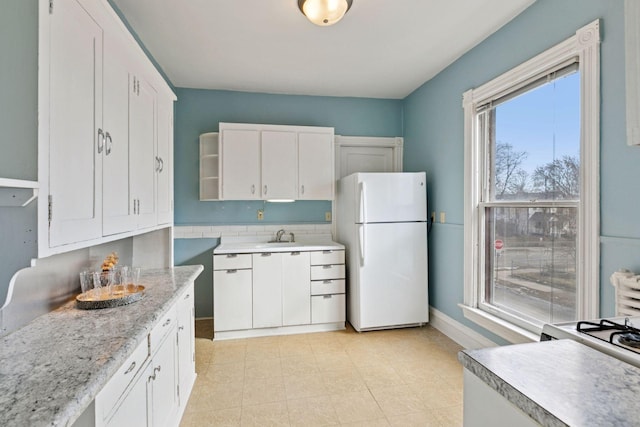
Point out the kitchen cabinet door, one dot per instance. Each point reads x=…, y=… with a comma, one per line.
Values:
x=134, y=410
x=279, y=165
x=240, y=151
x=117, y=213
x=165, y=161
x=232, y=306
x=267, y=290
x=296, y=288
x=75, y=125
x=315, y=166
x=164, y=384
x=143, y=164
x=186, y=346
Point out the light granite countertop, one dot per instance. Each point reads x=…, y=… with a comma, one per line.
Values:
x=253, y=247
x=561, y=383
x=53, y=368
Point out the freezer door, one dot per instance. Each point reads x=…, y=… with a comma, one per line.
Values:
x=391, y=197
x=392, y=282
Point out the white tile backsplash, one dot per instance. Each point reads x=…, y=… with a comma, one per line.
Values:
x=218, y=231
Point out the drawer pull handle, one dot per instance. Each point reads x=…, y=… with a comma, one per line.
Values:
x=326, y=252
x=231, y=271
x=326, y=267
x=327, y=296
x=295, y=253
x=232, y=255
x=166, y=323
x=155, y=370
x=133, y=365
x=187, y=296
x=265, y=254
x=327, y=281
x=151, y=378
x=181, y=328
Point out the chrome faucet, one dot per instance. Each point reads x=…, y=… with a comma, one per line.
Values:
x=279, y=235
x=292, y=236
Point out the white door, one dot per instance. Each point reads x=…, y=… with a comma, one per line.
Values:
x=164, y=387
x=186, y=339
x=391, y=197
x=76, y=143
x=279, y=165
x=267, y=289
x=392, y=265
x=365, y=159
x=142, y=142
x=117, y=213
x=240, y=153
x=134, y=409
x=232, y=306
x=296, y=288
x=165, y=162
x=315, y=166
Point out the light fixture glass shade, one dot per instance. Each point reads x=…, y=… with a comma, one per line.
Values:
x=324, y=12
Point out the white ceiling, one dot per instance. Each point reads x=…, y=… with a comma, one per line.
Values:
x=380, y=49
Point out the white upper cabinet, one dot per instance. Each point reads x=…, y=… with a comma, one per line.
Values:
x=315, y=166
x=106, y=133
x=279, y=160
x=274, y=162
x=76, y=142
x=164, y=168
x=117, y=215
x=143, y=164
x=240, y=151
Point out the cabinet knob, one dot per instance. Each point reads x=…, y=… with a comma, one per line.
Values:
x=100, y=141
x=108, y=143
x=133, y=365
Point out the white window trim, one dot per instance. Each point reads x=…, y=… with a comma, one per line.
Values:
x=585, y=45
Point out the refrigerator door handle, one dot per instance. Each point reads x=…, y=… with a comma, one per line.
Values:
x=361, y=242
x=363, y=202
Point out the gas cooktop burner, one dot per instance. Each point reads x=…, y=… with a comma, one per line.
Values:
x=630, y=338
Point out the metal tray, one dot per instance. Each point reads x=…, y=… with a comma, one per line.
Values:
x=100, y=298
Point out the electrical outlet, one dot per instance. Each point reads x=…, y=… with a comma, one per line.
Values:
x=260, y=214
x=433, y=217
x=442, y=217
x=327, y=216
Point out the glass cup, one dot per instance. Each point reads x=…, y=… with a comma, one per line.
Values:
x=86, y=281
x=134, y=278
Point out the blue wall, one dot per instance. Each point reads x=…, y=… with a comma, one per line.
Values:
x=19, y=90
x=198, y=111
x=433, y=132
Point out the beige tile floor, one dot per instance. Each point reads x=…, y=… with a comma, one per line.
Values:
x=403, y=377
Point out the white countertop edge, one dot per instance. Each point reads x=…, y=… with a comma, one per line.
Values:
x=258, y=247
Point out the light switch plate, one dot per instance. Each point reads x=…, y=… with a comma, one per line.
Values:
x=327, y=216
x=442, y=217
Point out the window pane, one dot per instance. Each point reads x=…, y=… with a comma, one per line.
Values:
x=531, y=263
x=535, y=143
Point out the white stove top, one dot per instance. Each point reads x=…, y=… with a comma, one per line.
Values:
x=597, y=339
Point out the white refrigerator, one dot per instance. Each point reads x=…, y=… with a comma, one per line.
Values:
x=382, y=221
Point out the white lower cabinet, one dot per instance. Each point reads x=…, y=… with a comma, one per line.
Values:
x=271, y=291
x=146, y=390
x=232, y=292
x=267, y=289
x=296, y=307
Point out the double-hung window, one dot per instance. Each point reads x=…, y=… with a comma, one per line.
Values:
x=531, y=192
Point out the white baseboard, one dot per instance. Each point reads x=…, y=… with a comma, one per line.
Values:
x=463, y=335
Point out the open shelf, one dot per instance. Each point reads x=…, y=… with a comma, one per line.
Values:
x=17, y=192
x=209, y=167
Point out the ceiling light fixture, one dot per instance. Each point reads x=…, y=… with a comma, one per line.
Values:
x=324, y=12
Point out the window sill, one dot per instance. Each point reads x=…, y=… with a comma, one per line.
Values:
x=500, y=327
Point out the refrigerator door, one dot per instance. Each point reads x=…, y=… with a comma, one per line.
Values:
x=391, y=197
x=392, y=275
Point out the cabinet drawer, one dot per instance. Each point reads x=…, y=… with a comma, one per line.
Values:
x=327, y=257
x=231, y=261
x=110, y=394
x=328, y=308
x=166, y=324
x=324, y=287
x=327, y=272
